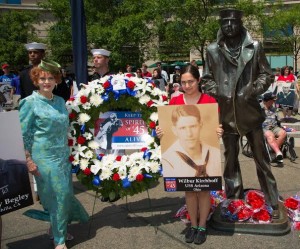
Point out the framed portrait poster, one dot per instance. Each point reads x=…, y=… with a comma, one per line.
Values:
x=191, y=157
x=285, y=94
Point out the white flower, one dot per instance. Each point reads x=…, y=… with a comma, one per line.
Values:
x=93, y=145
x=76, y=161
x=96, y=100
x=83, y=163
x=104, y=79
x=148, y=139
x=96, y=166
x=85, y=90
x=105, y=174
x=108, y=159
x=154, y=117
x=144, y=99
x=122, y=174
x=154, y=166
x=79, y=151
x=134, y=171
x=86, y=106
x=131, y=178
x=135, y=158
x=83, y=118
x=88, y=135
x=89, y=154
x=156, y=153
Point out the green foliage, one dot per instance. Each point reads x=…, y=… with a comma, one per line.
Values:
x=281, y=21
x=137, y=30
x=60, y=32
x=182, y=25
x=16, y=29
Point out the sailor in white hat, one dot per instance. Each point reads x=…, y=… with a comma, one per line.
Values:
x=35, y=46
x=36, y=53
x=100, y=60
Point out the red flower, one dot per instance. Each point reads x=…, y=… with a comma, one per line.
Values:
x=118, y=158
x=255, y=199
x=165, y=98
x=188, y=217
x=143, y=149
x=71, y=158
x=116, y=177
x=87, y=171
x=235, y=206
x=296, y=225
x=262, y=215
x=139, y=177
x=130, y=84
x=70, y=142
x=101, y=154
x=244, y=214
x=152, y=125
x=81, y=140
x=83, y=99
x=153, y=84
x=150, y=103
x=72, y=115
x=106, y=85
x=71, y=99
x=291, y=203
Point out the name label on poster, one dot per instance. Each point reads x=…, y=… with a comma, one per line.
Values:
x=192, y=184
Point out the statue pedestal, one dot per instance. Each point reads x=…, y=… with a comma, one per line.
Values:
x=279, y=226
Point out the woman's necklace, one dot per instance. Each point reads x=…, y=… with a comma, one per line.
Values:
x=51, y=98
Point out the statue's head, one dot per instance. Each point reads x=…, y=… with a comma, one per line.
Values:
x=231, y=22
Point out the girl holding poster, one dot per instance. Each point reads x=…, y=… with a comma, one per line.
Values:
x=198, y=203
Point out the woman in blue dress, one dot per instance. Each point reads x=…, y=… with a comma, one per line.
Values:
x=44, y=122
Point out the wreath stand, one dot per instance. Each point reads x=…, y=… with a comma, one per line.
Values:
x=127, y=208
x=150, y=208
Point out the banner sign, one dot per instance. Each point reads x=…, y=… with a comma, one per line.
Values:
x=15, y=189
x=120, y=130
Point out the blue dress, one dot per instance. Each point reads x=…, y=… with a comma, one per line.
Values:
x=44, y=125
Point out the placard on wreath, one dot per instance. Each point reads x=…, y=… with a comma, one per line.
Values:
x=109, y=114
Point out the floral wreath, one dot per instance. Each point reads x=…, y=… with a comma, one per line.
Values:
x=108, y=174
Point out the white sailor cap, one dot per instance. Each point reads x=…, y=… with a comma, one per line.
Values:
x=100, y=51
x=35, y=45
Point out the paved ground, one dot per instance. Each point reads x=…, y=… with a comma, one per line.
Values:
x=146, y=220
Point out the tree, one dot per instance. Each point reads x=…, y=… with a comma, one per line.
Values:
x=16, y=29
x=182, y=25
x=120, y=26
x=136, y=30
x=59, y=39
x=283, y=27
